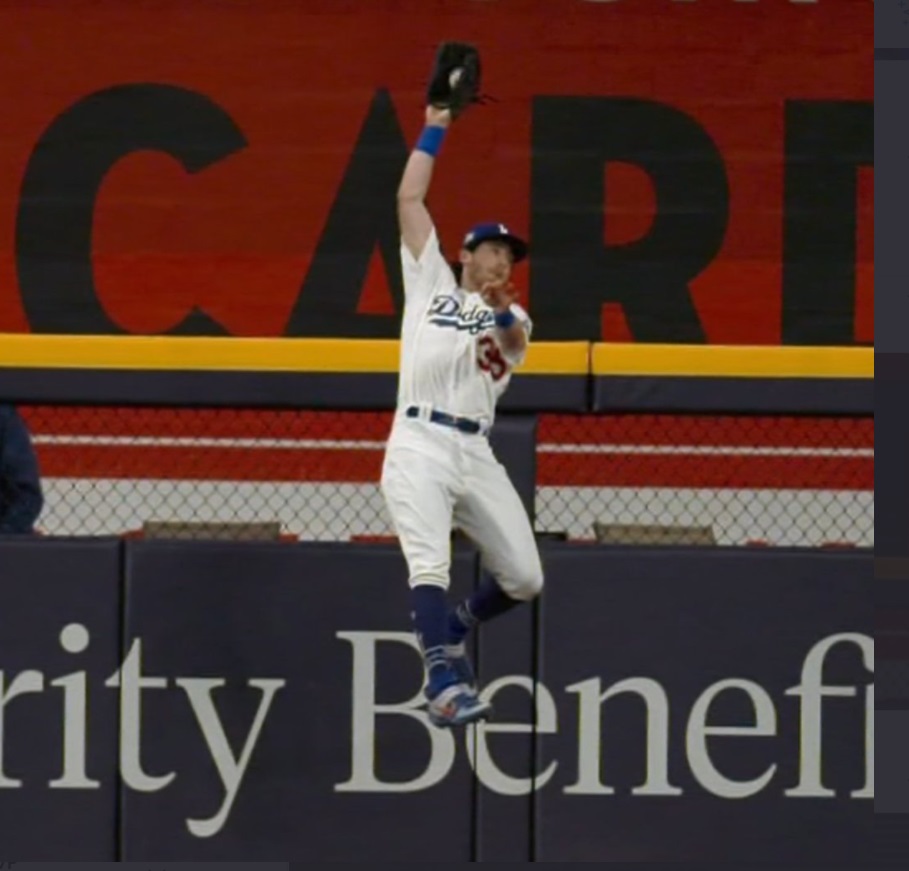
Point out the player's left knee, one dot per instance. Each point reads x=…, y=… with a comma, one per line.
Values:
x=527, y=583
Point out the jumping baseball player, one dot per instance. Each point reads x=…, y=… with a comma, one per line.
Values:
x=460, y=340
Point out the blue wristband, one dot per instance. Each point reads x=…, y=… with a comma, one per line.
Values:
x=505, y=319
x=430, y=140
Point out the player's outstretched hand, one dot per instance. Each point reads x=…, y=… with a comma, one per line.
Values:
x=437, y=117
x=498, y=294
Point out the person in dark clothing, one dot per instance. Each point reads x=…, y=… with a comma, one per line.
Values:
x=21, y=496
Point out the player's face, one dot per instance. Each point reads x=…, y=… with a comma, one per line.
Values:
x=489, y=261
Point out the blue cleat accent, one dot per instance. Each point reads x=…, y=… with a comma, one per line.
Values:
x=456, y=706
x=459, y=662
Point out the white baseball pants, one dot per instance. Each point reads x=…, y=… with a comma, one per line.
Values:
x=435, y=478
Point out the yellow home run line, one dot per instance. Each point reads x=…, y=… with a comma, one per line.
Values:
x=732, y=361
x=247, y=354
x=358, y=356
x=193, y=354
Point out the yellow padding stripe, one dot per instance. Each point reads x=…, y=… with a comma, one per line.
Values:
x=557, y=358
x=739, y=361
x=191, y=353
x=247, y=354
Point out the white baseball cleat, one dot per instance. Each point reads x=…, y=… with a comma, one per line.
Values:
x=455, y=706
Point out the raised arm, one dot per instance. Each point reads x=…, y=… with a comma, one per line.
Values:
x=413, y=216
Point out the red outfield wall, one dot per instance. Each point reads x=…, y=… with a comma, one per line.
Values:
x=692, y=172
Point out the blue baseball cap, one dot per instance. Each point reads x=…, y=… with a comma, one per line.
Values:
x=488, y=231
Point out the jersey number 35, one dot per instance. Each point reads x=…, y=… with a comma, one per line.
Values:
x=490, y=359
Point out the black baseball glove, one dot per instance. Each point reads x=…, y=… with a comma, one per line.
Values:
x=454, y=82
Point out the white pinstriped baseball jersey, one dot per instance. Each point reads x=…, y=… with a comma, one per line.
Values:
x=450, y=355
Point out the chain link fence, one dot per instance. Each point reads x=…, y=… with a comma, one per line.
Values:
x=308, y=475
x=730, y=480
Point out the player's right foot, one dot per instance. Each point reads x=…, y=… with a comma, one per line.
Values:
x=455, y=706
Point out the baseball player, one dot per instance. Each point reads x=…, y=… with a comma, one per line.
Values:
x=460, y=340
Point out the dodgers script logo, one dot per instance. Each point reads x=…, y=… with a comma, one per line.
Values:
x=447, y=311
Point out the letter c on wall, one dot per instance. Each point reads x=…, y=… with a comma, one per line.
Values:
x=61, y=184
